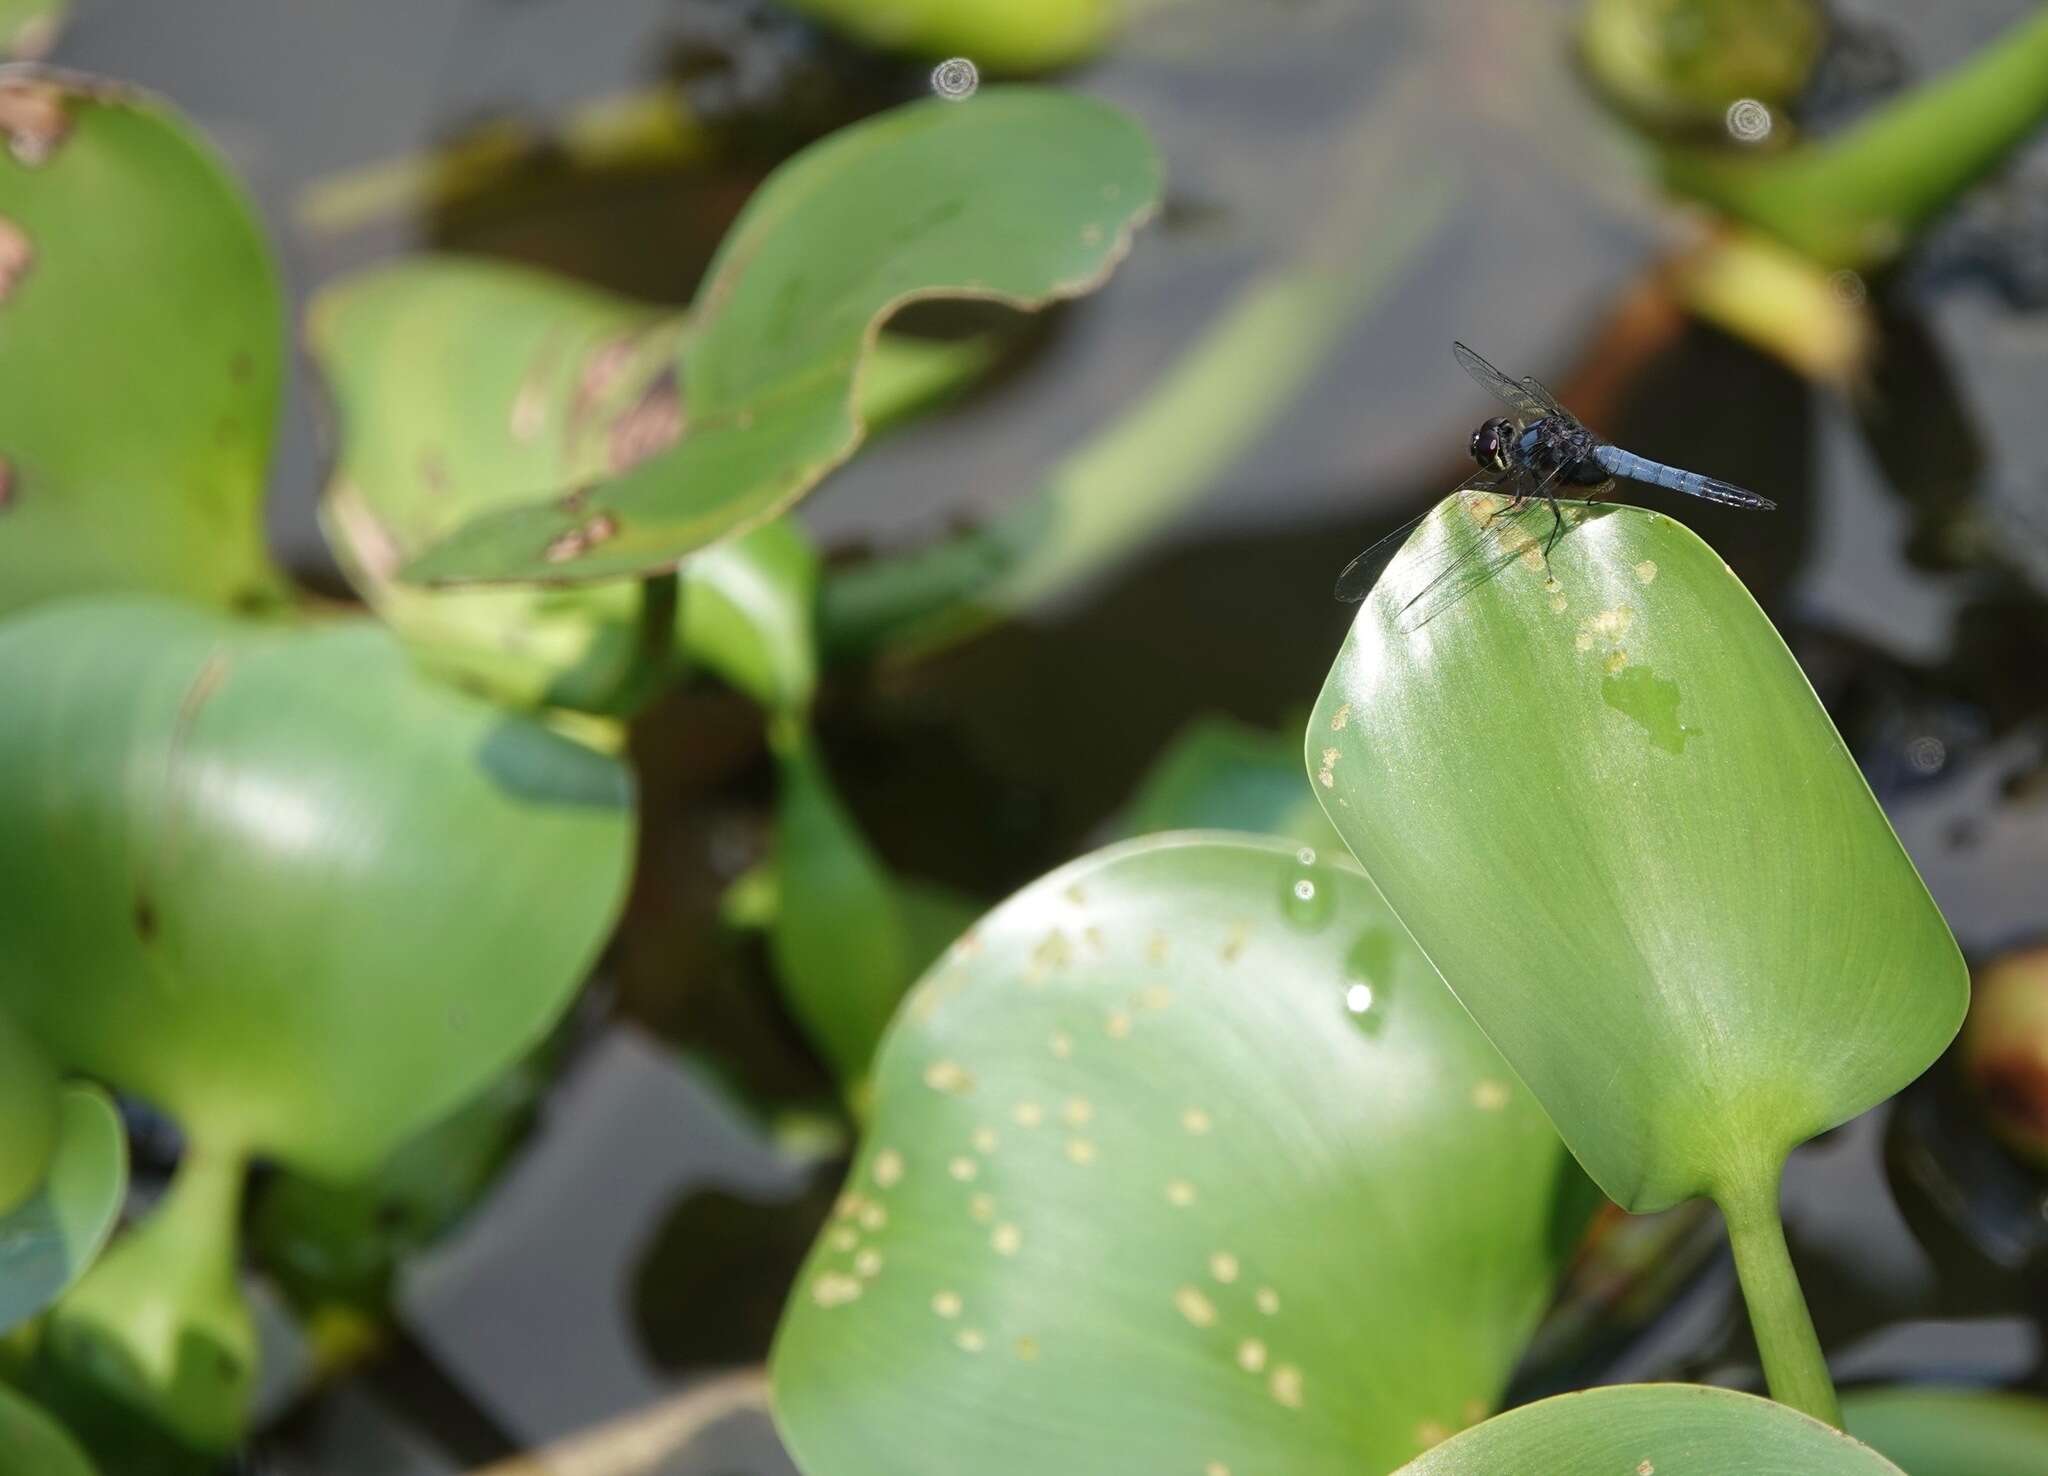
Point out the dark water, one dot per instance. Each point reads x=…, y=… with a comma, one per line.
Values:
x=638, y=1240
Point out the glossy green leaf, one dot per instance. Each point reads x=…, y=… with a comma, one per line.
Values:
x=1603, y=798
x=29, y=1108
x=1952, y=1432
x=140, y=352
x=1220, y=774
x=461, y=387
x=47, y=1241
x=279, y=882
x=1009, y=35
x=1181, y=1159
x=1019, y=196
x=1653, y=1430
x=33, y=1444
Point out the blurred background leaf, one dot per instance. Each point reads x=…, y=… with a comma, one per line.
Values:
x=1022, y=197
x=48, y=1239
x=135, y=418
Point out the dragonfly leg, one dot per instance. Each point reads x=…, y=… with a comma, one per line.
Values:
x=1556, y=526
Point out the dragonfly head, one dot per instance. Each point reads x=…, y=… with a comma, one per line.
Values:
x=1490, y=444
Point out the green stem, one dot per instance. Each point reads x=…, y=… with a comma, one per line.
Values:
x=1856, y=200
x=1794, y=1367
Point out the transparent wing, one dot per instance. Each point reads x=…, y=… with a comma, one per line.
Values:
x=1542, y=396
x=1515, y=395
x=1359, y=576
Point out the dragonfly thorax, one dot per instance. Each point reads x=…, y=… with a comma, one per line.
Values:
x=1492, y=444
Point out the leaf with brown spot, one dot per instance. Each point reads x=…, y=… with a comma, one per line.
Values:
x=526, y=386
x=1026, y=197
x=1287, y=1236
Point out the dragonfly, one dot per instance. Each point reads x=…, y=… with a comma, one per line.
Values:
x=1525, y=459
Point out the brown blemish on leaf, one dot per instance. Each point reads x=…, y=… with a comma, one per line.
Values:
x=17, y=255
x=145, y=919
x=651, y=425
x=242, y=367
x=577, y=542
x=1327, y=775
x=434, y=469
x=369, y=541
x=33, y=116
x=6, y=484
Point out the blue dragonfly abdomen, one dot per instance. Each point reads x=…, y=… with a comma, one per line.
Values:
x=1619, y=463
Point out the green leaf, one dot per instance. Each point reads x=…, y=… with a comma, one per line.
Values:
x=279, y=882
x=1009, y=35
x=749, y=614
x=1020, y=196
x=33, y=1444
x=1602, y=796
x=29, y=1110
x=1182, y=1156
x=1952, y=1432
x=335, y=1247
x=462, y=387
x=47, y=1241
x=1653, y=1430
x=140, y=342
x=1220, y=774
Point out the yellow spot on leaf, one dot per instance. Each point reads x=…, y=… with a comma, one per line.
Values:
x=1062, y=1044
x=1489, y=1095
x=1180, y=1193
x=1616, y=660
x=888, y=1168
x=1195, y=1307
x=1339, y=718
x=868, y=1264
x=970, y=1340
x=1080, y=1150
x=1078, y=1112
x=985, y=1140
x=963, y=1168
x=982, y=1207
x=1223, y=1266
x=1196, y=1121
x=1645, y=572
x=835, y=1289
x=1285, y=1385
x=1007, y=1240
x=1268, y=1301
x=949, y=1077
x=1251, y=1355
x=946, y=1304
x=1118, y=1025
x=1027, y=1114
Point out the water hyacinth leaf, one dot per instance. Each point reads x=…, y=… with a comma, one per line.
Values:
x=460, y=387
x=280, y=882
x=1220, y=774
x=33, y=1444
x=1006, y=35
x=1653, y=1430
x=1020, y=196
x=1933, y=1431
x=748, y=612
x=135, y=420
x=47, y=1241
x=1603, y=798
x=1090, y=1188
x=29, y=1110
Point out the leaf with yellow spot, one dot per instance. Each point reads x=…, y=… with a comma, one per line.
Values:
x=1288, y=1236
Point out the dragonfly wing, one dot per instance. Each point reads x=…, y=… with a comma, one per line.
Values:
x=1542, y=396
x=1359, y=576
x=1515, y=395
